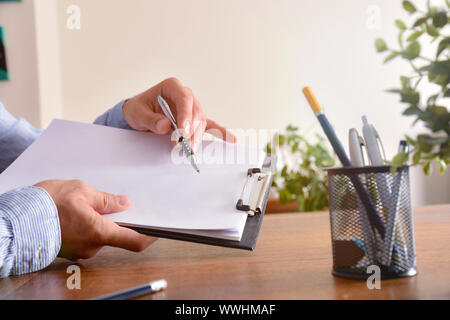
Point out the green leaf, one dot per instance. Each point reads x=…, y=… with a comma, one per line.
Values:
x=436, y=140
x=400, y=24
x=281, y=140
x=439, y=72
x=301, y=202
x=275, y=141
x=426, y=68
x=420, y=21
x=444, y=44
x=284, y=172
x=394, y=90
x=410, y=140
x=408, y=6
x=447, y=93
x=439, y=18
x=410, y=95
x=432, y=99
x=430, y=157
x=414, y=36
x=427, y=168
x=405, y=81
x=412, y=51
x=391, y=56
x=285, y=196
x=413, y=110
x=442, y=167
x=436, y=118
x=290, y=183
x=314, y=185
x=400, y=38
x=291, y=128
x=400, y=159
x=380, y=45
x=422, y=144
x=416, y=158
x=417, y=83
x=440, y=80
x=431, y=30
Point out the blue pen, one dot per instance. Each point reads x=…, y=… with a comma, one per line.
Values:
x=138, y=291
x=372, y=213
x=360, y=244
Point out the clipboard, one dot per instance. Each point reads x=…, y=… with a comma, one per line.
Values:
x=70, y=150
x=255, y=209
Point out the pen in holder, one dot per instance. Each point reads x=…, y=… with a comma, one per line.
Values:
x=356, y=243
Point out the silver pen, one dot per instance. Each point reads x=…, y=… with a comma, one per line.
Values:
x=403, y=147
x=181, y=140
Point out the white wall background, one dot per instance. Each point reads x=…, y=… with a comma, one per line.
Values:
x=21, y=93
x=33, y=52
x=247, y=61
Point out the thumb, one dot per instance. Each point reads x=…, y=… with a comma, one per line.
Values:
x=108, y=203
x=156, y=122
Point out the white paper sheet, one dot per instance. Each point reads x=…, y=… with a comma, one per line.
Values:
x=163, y=194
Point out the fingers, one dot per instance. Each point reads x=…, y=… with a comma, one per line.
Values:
x=220, y=132
x=154, y=121
x=103, y=202
x=125, y=238
x=198, y=134
x=187, y=112
x=183, y=98
x=113, y=234
x=199, y=122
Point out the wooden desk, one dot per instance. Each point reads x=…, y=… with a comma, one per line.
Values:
x=292, y=260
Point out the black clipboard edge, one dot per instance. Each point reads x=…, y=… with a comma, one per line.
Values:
x=251, y=229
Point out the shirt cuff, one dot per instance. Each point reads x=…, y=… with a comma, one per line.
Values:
x=31, y=223
x=114, y=118
x=6, y=119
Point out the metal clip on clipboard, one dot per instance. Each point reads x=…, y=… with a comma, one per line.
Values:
x=258, y=193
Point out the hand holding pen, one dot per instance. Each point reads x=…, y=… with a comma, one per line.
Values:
x=143, y=113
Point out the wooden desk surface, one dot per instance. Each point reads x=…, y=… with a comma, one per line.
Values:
x=292, y=260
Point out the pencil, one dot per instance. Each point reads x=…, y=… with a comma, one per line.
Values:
x=371, y=210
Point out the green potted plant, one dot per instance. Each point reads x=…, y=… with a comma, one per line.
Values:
x=430, y=27
x=301, y=184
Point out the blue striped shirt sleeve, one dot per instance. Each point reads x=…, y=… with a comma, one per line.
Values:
x=114, y=118
x=15, y=136
x=30, y=236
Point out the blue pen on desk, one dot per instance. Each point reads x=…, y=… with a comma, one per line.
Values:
x=138, y=291
x=371, y=210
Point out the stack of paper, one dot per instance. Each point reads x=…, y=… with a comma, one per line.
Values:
x=165, y=191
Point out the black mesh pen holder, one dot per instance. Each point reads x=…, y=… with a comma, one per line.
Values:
x=357, y=241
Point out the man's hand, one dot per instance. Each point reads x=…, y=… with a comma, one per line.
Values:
x=143, y=113
x=83, y=229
